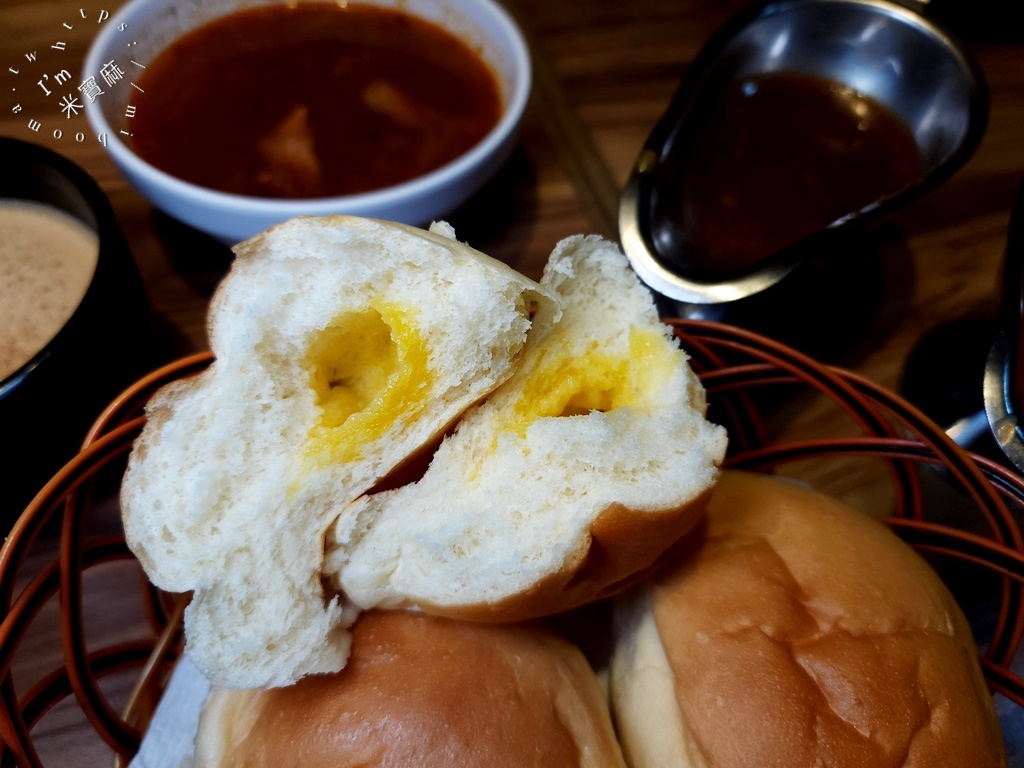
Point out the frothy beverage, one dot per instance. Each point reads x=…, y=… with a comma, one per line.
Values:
x=47, y=261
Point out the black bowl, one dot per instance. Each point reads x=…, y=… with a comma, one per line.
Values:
x=48, y=404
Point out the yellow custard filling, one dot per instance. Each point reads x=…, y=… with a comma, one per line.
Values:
x=369, y=370
x=564, y=383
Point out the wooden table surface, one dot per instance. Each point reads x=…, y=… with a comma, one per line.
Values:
x=604, y=72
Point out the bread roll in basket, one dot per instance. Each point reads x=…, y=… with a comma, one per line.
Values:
x=109, y=687
x=346, y=348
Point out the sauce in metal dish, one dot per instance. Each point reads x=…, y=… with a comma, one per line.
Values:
x=778, y=157
x=312, y=100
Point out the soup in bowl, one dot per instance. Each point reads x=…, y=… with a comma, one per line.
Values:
x=75, y=324
x=234, y=115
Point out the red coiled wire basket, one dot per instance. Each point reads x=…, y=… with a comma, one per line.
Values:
x=65, y=553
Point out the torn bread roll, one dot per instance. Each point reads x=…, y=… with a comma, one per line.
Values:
x=798, y=632
x=342, y=347
x=566, y=484
x=423, y=691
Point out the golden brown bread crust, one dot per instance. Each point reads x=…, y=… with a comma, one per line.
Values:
x=799, y=632
x=424, y=691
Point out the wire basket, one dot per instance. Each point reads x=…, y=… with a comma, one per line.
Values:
x=958, y=509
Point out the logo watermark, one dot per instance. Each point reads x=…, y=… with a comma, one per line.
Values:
x=65, y=92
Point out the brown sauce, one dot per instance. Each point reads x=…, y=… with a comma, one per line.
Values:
x=312, y=100
x=778, y=157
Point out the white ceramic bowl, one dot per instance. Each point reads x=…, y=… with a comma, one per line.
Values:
x=143, y=28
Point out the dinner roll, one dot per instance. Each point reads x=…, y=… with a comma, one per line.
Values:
x=798, y=632
x=564, y=485
x=423, y=691
x=343, y=346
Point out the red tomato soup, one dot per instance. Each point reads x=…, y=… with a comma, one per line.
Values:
x=312, y=100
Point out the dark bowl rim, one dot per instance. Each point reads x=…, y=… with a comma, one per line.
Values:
x=18, y=155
